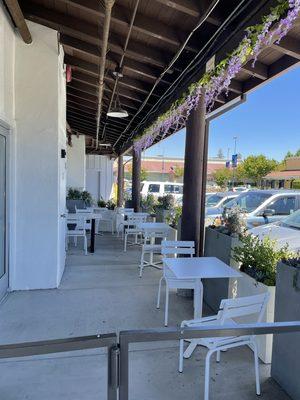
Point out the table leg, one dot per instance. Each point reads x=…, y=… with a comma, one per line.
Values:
x=198, y=299
x=198, y=304
x=92, y=247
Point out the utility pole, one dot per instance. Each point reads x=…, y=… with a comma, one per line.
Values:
x=234, y=167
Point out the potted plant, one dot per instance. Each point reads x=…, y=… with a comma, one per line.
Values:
x=163, y=207
x=101, y=203
x=220, y=240
x=148, y=203
x=78, y=199
x=258, y=259
x=286, y=354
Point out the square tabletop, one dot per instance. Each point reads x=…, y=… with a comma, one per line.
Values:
x=200, y=268
x=154, y=225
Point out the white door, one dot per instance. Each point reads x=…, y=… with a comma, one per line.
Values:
x=3, y=213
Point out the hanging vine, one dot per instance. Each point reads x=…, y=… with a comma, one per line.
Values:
x=273, y=28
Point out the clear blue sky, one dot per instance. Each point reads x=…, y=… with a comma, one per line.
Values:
x=268, y=123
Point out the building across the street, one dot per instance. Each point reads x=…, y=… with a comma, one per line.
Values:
x=170, y=168
x=289, y=178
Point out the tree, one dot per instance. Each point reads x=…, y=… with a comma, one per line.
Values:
x=222, y=176
x=256, y=167
x=288, y=154
x=144, y=174
x=178, y=172
x=220, y=154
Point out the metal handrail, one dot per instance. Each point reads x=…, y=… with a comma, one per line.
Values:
x=150, y=335
x=118, y=347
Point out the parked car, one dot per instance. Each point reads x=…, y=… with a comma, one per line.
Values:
x=286, y=231
x=240, y=189
x=162, y=189
x=219, y=199
x=261, y=206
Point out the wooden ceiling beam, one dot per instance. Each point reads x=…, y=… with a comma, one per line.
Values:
x=121, y=16
x=260, y=70
x=81, y=116
x=288, y=45
x=93, y=100
x=135, y=50
x=81, y=102
x=83, y=87
x=189, y=7
x=18, y=19
x=236, y=86
x=138, y=69
x=79, y=108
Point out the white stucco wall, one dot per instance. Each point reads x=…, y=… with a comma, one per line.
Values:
x=76, y=163
x=99, y=176
x=38, y=161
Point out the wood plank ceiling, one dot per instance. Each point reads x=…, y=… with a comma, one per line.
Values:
x=160, y=28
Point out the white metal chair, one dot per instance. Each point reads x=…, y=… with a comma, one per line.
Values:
x=230, y=309
x=108, y=218
x=79, y=225
x=85, y=211
x=120, y=219
x=132, y=228
x=173, y=248
x=150, y=247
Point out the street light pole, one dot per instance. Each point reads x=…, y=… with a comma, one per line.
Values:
x=234, y=167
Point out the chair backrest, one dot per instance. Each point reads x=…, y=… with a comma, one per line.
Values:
x=244, y=306
x=136, y=218
x=177, y=247
x=76, y=221
x=155, y=234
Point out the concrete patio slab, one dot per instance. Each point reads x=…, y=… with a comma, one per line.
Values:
x=103, y=293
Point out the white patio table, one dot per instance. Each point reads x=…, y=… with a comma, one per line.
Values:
x=92, y=216
x=199, y=268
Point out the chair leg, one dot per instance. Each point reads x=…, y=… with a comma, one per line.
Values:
x=167, y=305
x=207, y=373
x=159, y=291
x=256, y=365
x=142, y=263
x=85, y=245
x=181, y=342
x=75, y=241
x=125, y=242
x=218, y=356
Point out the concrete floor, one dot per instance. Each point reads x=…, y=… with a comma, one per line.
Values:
x=103, y=293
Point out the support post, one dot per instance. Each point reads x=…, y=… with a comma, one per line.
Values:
x=136, y=181
x=194, y=165
x=120, y=194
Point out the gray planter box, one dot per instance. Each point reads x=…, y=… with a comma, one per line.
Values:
x=218, y=245
x=286, y=347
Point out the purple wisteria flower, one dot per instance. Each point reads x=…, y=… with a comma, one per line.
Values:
x=220, y=82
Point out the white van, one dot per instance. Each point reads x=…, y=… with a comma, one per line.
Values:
x=162, y=188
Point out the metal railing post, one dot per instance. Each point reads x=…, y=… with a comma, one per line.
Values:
x=124, y=369
x=113, y=370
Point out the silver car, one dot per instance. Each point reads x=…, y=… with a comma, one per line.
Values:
x=219, y=199
x=261, y=206
x=286, y=231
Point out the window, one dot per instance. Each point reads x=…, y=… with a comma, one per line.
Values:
x=249, y=201
x=213, y=200
x=173, y=189
x=226, y=201
x=153, y=188
x=283, y=205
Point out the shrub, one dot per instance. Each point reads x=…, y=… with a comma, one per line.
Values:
x=259, y=257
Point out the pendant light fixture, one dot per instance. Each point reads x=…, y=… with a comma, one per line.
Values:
x=116, y=111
